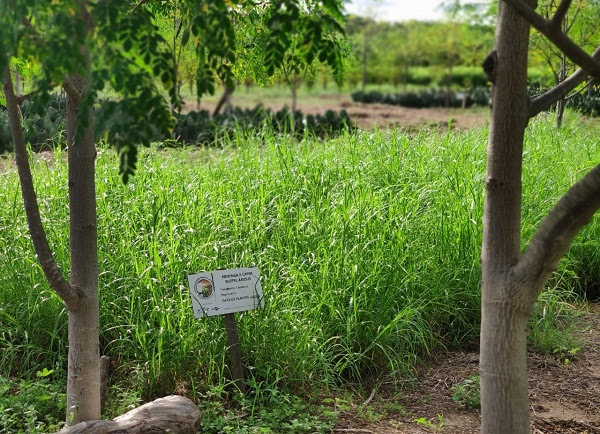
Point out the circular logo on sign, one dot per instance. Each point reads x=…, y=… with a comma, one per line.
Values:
x=203, y=287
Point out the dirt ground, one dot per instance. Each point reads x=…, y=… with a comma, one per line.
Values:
x=564, y=397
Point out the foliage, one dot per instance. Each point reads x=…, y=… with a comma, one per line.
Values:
x=341, y=229
x=31, y=406
x=196, y=128
x=477, y=96
x=264, y=409
x=423, y=421
x=388, y=52
x=125, y=53
x=200, y=129
x=554, y=321
x=467, y=392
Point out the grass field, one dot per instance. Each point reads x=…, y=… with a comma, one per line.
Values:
x=368, y=246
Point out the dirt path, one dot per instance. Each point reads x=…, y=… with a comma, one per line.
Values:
x=564, y=397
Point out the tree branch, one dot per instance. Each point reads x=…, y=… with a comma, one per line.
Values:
x=141, y=2
x=573, y=51
x=554, y=236
x=545, y=100
x=40, y=243
x=560, y=13
x=71, y=90
x=23, y=98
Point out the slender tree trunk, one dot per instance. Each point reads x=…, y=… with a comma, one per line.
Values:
x=560, y=104
x=294, y=88
x=364, y=62
x=503, y=367
x=223, y=101
x=83, y=384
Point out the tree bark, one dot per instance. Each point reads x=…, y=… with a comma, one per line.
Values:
x=83, y=383
x=503, y=365
x=174, y=414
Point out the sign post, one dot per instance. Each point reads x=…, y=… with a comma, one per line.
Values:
x=224, y=292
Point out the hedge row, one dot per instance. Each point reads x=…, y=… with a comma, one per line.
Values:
x=585, y=103
x=476, y=96
x=46, y=129
x=201, y=129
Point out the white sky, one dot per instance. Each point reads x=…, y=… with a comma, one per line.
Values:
x=396, y=10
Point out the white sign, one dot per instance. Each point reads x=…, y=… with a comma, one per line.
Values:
x=225, y=291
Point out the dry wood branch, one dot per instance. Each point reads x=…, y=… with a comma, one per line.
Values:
x=573, y=51
x=42, y=249
x=545, y=100
x=554, y=236
x=173, y=413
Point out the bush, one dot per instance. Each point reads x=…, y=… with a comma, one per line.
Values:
x=198, y=128
x=44, y=125
x=31, y=406
x=476, y=96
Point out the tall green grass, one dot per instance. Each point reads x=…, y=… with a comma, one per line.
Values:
x=368, y=246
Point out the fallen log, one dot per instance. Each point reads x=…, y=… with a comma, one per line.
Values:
x=172, y=414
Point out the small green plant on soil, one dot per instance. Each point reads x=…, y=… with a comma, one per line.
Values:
x=369, y=414
x=264, y=409
x=431, y=425
x=31, y=406
x=467, y=393
x=554, y=322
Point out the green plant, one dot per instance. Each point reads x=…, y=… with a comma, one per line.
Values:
x=264, y=409
x=31, y=406
x=429, y=424
x=467, y=393
x=554, y=321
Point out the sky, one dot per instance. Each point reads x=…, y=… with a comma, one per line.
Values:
x=396, y=10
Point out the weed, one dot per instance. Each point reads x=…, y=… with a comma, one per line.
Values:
x=467, y=392
x=429, y=424
x=31, y=406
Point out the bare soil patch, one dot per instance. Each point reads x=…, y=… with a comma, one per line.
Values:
x=564, y=396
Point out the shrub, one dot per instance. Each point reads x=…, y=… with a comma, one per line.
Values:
x=434, y=97
x=44, y=124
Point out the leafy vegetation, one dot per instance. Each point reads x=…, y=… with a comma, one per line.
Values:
x=467, y=392
x=368, y=246
x=477, y=96
x=46, y=130
x=31, y=406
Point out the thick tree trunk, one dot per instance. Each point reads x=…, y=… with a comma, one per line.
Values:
x=504, y=398
x=83, y=384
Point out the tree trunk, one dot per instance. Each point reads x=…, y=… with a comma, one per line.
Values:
x=83, y=384
x=223, y=101
x=364, y=62
x=294, y=88
x=560, y=104
x=503, y=368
